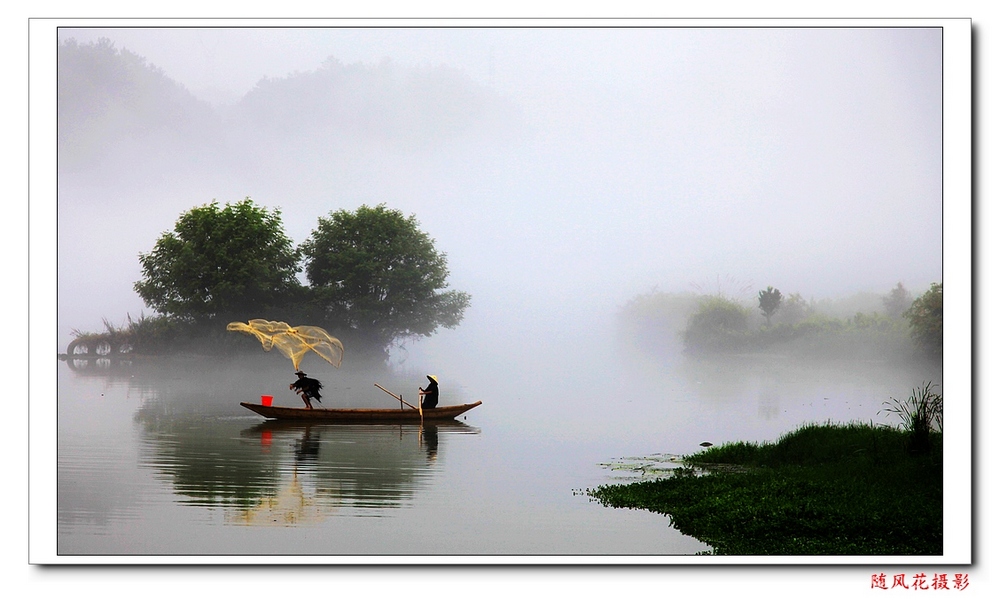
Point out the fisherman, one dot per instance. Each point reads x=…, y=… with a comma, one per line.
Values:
x=307, y=387
x=429, y=396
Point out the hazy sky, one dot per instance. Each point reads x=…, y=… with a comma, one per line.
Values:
x=808, y=159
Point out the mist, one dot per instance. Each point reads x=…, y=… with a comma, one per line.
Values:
x=562, y=171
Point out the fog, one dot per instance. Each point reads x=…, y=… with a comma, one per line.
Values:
x=562, y=171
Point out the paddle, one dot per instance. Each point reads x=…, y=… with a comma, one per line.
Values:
x=400, y=398
x=419, y=408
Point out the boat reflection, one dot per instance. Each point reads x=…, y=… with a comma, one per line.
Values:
x=362, y=467
x=193, y=436
x=277, y=473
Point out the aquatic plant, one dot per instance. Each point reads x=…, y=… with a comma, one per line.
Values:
x=143, y=335
x=820, y=490
x=921, y=413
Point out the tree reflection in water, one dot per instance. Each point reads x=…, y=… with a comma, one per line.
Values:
x=276, y=473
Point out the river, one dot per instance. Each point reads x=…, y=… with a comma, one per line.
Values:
x=157, y=458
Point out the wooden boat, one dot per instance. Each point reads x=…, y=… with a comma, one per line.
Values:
x=359, y=415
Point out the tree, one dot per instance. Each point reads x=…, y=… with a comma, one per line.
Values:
x=926, y=316
x=769, y=300
x=719, y=325
x=232, y=263
x=379, y=278
x=794, y=310
x=898, y=300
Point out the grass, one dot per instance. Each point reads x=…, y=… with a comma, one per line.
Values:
x=921, y=413
x=829, y=489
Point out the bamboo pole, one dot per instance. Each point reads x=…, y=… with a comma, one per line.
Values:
x=400, y=398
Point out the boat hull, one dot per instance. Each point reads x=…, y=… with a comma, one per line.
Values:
x=358, y=415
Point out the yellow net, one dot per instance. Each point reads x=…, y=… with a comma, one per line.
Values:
x=293, y=342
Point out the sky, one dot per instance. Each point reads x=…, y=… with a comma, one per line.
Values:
x=656, y=158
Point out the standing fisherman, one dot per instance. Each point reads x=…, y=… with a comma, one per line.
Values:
x=429, y=396
x=307, y=387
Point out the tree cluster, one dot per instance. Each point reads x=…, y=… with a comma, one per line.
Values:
x=721, y=325
x=926, y=317
x=374, y=277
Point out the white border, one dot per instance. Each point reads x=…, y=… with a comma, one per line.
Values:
x=957, y=270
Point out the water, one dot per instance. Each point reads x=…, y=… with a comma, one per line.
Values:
x=160, y=459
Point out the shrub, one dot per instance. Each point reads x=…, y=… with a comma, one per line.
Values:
x=926, y=317
x=719, y=325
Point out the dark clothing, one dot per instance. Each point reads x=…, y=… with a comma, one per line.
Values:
x=307, y=449
x=430, y=395
x=431, y=441
x=308, y=387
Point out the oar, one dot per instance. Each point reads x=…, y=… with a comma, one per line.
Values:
x=400, y=398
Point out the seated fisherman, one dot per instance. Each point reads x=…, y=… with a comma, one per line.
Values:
x=307, y=387
x=429, y=396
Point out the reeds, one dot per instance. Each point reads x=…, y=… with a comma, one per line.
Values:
x=921, y=413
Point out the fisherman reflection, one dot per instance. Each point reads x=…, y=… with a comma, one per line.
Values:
x=429, y=396
x=430, y=441
x=307, y=387
x=307, y=448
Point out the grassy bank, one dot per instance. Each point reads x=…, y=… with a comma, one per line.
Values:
x=822, y=490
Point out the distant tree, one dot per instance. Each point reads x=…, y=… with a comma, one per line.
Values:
x=769, y=300
x=898, y=300
x=926, y=316
x=233, y=263
x=719, y=325
x=794, y=310
x=379, y=278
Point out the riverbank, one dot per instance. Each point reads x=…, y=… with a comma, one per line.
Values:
x=821, y=490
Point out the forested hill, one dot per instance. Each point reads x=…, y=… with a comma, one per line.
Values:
x=122, y=116
x=114, y=107
x=383, y=104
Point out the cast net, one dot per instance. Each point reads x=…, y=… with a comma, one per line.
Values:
x=293, y=342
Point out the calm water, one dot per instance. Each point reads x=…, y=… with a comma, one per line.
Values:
x=160, y=458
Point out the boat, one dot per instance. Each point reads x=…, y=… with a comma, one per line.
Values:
x=359, y=415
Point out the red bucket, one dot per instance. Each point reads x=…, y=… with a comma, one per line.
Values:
x=266, y=400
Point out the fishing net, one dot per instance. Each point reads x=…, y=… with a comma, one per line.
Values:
x=293, y=342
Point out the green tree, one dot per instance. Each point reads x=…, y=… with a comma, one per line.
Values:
x=898, y=300
x=232, y=263
x=769, y=300
x=926, y=316
x=719, y=325
x=794, y=310
x=379, y=278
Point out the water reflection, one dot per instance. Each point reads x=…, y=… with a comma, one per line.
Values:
x=279, y=473
x=98, y=366
x=160, y=458
x=192, y=434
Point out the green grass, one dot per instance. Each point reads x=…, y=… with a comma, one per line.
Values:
x=821, y=490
